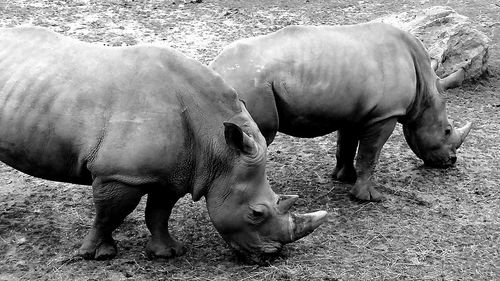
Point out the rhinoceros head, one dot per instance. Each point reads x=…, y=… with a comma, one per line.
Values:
x=431, y=136
x=244, y=209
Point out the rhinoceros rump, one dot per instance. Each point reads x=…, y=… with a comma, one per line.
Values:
x=359, y=80
x=133, y=121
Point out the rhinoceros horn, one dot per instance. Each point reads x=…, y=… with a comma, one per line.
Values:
x=462, y=133
x=302, y=225
x=453, y=80
x=286, y=202
x=434, y=64
x=299, y=225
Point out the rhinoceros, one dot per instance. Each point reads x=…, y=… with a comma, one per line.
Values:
x=359, y=80
x=140, y=120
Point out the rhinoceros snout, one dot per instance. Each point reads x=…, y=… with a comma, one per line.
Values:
x=445, y=163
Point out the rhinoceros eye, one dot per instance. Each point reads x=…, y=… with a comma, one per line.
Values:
x=257, y=214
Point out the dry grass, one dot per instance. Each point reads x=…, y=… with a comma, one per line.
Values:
x=434, y=225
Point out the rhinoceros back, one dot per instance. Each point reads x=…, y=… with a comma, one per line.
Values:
x=324, y=78
x=69, y=108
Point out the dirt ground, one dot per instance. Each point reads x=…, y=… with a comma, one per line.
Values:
x=435, y=224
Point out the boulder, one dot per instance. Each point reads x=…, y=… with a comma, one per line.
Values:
x=450, y=38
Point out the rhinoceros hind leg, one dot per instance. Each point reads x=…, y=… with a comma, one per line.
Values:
x=113, y=202
x=347, y=143
x=158, y=209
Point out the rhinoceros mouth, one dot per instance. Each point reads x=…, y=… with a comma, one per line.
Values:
x=441, y=164
x=262, y=254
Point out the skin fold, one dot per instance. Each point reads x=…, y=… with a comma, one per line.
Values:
x=358, y=80
x=135, y=121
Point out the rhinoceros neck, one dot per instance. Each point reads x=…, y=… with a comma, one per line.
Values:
x=211, y=165
x=202, y=118
x=427, y=98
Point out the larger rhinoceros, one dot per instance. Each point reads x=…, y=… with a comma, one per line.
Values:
x=307, y=81
x=139, y=120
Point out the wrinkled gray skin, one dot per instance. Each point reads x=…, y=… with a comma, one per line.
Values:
x=359, y=80
x=133, y=121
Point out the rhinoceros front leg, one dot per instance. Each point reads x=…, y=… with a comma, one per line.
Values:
x=113, y=202
x=158, y=210
x=370, y=145
x=347, y=143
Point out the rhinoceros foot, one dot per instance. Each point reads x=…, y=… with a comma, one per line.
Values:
x=344, y=174
x=366, y=192
x=164, y=250
x=98, y=249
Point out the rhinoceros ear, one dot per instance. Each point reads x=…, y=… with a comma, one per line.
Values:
x=237, y=139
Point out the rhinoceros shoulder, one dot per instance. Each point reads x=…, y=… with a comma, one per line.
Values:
x=188, y=72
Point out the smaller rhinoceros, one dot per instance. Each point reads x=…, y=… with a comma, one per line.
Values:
x=139, y=120
x=359, y=80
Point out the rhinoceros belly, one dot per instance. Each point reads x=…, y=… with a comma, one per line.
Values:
x=314, y=109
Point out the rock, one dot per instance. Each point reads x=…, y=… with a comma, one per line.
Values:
x=450, y=38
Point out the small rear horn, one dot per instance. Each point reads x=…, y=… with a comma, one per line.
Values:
x=286, y=202
x=434, y=64
x=462, y=133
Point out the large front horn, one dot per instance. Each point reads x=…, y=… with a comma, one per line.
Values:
x=453, y=80
x=302, y=225
x=462, y=133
